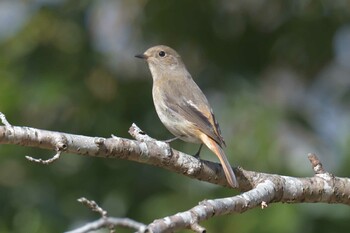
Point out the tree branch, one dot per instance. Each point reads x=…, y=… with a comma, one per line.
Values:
x=260, y=189
x=105, y=221
x=269, y=189
x=110, y=221
x=152, y=152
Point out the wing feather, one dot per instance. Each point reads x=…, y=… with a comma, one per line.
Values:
x=206, y=123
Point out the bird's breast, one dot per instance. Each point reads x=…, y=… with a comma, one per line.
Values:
x=171, y=119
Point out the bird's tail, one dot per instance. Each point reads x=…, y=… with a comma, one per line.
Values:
x=219, y=152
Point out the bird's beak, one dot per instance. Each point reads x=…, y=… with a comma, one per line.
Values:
x=142, y=56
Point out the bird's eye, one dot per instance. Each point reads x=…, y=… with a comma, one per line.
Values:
x=162, y=53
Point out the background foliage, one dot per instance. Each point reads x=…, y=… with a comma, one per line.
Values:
x=275, y=72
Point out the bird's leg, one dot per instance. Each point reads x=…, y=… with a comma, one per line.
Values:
x=196, y=155
x=172, y=139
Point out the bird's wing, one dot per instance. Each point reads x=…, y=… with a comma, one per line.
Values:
x=195, y=109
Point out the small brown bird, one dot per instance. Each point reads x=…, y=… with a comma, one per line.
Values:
x=181, y=105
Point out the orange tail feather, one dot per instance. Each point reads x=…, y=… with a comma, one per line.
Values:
x=218, y=151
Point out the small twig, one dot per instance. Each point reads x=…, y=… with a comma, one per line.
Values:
x=61, y=145
x=316, y=164
x=141, y=136
x=138, y=134
x=4, y=121
x=46, y=161
x=107, y=222
x=91, y=204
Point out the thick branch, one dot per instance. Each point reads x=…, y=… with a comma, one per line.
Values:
x=160, y=154
x=156, y=153
x=151, y=152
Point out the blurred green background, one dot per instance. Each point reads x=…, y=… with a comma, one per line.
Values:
x=277, y=74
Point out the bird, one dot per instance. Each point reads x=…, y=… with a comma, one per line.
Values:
x=181, y=105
